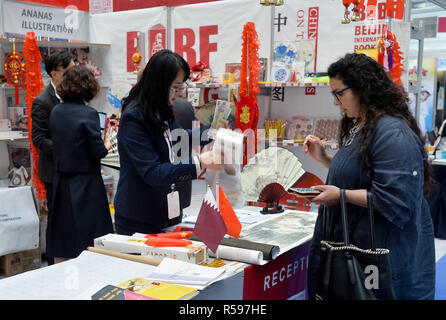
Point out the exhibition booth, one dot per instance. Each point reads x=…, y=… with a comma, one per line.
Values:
x=277, y=53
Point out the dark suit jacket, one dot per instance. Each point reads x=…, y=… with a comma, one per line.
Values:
x=184, y=115
x=41, y=136
x=80, y=206
x=78, y=145
x=146, y=173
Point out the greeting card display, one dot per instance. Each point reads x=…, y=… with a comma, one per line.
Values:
x=299, y=128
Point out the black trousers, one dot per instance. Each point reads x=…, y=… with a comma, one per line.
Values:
x=49, y=201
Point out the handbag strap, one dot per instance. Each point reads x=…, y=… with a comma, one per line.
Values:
x=345, y=219
x=371, y=221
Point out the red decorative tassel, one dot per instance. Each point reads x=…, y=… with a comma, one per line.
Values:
x=247, y=111
x=33, y=86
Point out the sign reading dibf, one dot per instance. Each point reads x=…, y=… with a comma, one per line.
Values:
x=185, y=39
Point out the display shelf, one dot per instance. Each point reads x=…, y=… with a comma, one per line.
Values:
x=9, y=87
x=266, y=84
x=291, y=143
x=7, y=136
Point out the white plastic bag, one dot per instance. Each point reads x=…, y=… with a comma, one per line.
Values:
x=19, y=221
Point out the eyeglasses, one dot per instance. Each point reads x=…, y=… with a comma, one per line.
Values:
x=338, y=94
x=178, y=90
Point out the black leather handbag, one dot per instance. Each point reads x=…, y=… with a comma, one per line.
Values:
x=347, y=272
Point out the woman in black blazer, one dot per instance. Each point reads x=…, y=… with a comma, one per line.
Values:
x=81, y=211
x=148, y=143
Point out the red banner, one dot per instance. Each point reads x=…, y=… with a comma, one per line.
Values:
x=282, y=278
x=132, y=47
x=313, y=29
x=122, y=5
x=82, y=5
x=441, y=24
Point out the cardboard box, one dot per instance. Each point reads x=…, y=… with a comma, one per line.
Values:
x=18, y=262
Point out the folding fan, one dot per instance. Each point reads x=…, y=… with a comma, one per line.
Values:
x=274, y=165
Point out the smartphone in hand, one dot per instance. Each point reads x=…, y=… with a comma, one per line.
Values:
x=304, y=192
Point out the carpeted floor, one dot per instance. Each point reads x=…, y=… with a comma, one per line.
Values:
x=440, y=283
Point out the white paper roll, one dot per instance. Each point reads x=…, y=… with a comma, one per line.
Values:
x=238, y=254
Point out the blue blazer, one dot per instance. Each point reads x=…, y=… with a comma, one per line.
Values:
x=146, y=173
x=78, y=138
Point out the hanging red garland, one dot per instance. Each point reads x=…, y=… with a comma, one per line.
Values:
x=33, y=87
x=247, y=111
x=250, y=61
x=390, y=55
x=397, y=64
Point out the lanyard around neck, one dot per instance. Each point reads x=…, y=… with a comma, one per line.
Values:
x=168, y=138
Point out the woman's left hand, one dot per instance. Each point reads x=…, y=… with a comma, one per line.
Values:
x=330, y=195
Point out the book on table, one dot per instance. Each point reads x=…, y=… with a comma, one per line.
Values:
x=159, y=290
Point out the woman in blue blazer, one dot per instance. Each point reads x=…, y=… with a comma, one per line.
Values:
x=148, y=145
x=81, y=212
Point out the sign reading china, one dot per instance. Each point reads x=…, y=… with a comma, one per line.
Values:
x=282, y=278
x=52, y=22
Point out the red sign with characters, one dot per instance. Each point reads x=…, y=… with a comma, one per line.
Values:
x=310, y=91
x=281, y=278
x=157, y=39
x=441, y=24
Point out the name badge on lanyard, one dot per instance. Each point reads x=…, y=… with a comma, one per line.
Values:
x=173, y=198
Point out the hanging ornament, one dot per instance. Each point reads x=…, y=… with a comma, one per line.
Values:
x=14, y=69
x=136, y=58
x=346, y=18
x=389, y=55
x=355, y=10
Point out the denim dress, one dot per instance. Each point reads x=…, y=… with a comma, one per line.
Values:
x=403, y=223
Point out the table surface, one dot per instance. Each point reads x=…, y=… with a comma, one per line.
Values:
x=79, y=278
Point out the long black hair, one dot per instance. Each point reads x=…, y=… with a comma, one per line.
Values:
x=151, y=92
x=379, y=95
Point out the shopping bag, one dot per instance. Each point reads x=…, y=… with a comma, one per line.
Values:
x=19, y=220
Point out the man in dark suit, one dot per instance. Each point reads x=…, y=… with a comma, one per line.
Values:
x=55, y=66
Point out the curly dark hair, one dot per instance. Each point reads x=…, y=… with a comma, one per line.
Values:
x=78, y=83
x=380, y=95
